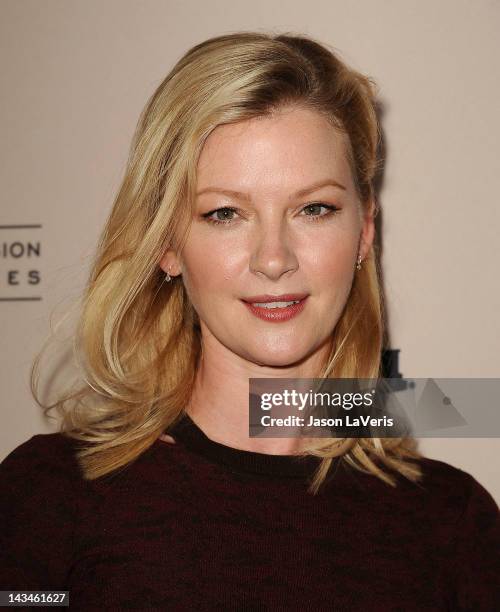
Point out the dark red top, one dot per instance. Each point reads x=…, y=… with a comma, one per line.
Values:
x=200, y=526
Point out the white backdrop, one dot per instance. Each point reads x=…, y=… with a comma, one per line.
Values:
x=76, y=75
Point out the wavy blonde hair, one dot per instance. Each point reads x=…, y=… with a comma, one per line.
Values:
x=138, y=338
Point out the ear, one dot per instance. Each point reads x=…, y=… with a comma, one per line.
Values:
x=368, y=229
x=170, y=263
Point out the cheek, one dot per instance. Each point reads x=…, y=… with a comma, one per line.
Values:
x=329, y=260
x=209, y=262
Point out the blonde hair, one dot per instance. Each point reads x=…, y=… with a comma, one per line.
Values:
x=138, y=338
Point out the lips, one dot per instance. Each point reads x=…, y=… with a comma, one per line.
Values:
x=291, y=304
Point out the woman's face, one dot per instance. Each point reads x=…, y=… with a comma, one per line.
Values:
x=276, y=213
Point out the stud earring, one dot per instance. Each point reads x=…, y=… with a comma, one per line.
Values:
x=358, y=266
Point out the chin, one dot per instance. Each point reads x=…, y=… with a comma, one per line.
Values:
x=278, y=358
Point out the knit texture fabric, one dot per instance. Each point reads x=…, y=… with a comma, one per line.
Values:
x=198, y=525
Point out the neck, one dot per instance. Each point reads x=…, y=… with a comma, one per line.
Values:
x=219, y=402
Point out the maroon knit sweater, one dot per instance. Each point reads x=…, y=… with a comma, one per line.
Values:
x=198, y=525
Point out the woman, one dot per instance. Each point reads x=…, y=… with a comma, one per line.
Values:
x=249, y=186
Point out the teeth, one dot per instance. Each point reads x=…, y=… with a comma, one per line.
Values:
x=275, y=304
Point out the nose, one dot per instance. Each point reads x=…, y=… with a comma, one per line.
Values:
x=272, y=252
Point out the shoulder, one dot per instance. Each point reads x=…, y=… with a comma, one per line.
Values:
x=445, y=499
x=453, y=496
x=58, y=442
x=46, y=464
x=47, y=452
x=42, y=495
x=466, y=512
x=473, y=546
x=456, y=487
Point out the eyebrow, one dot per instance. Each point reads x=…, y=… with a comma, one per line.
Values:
x=298, y=194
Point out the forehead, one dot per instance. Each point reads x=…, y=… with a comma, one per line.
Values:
x=281, y=151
